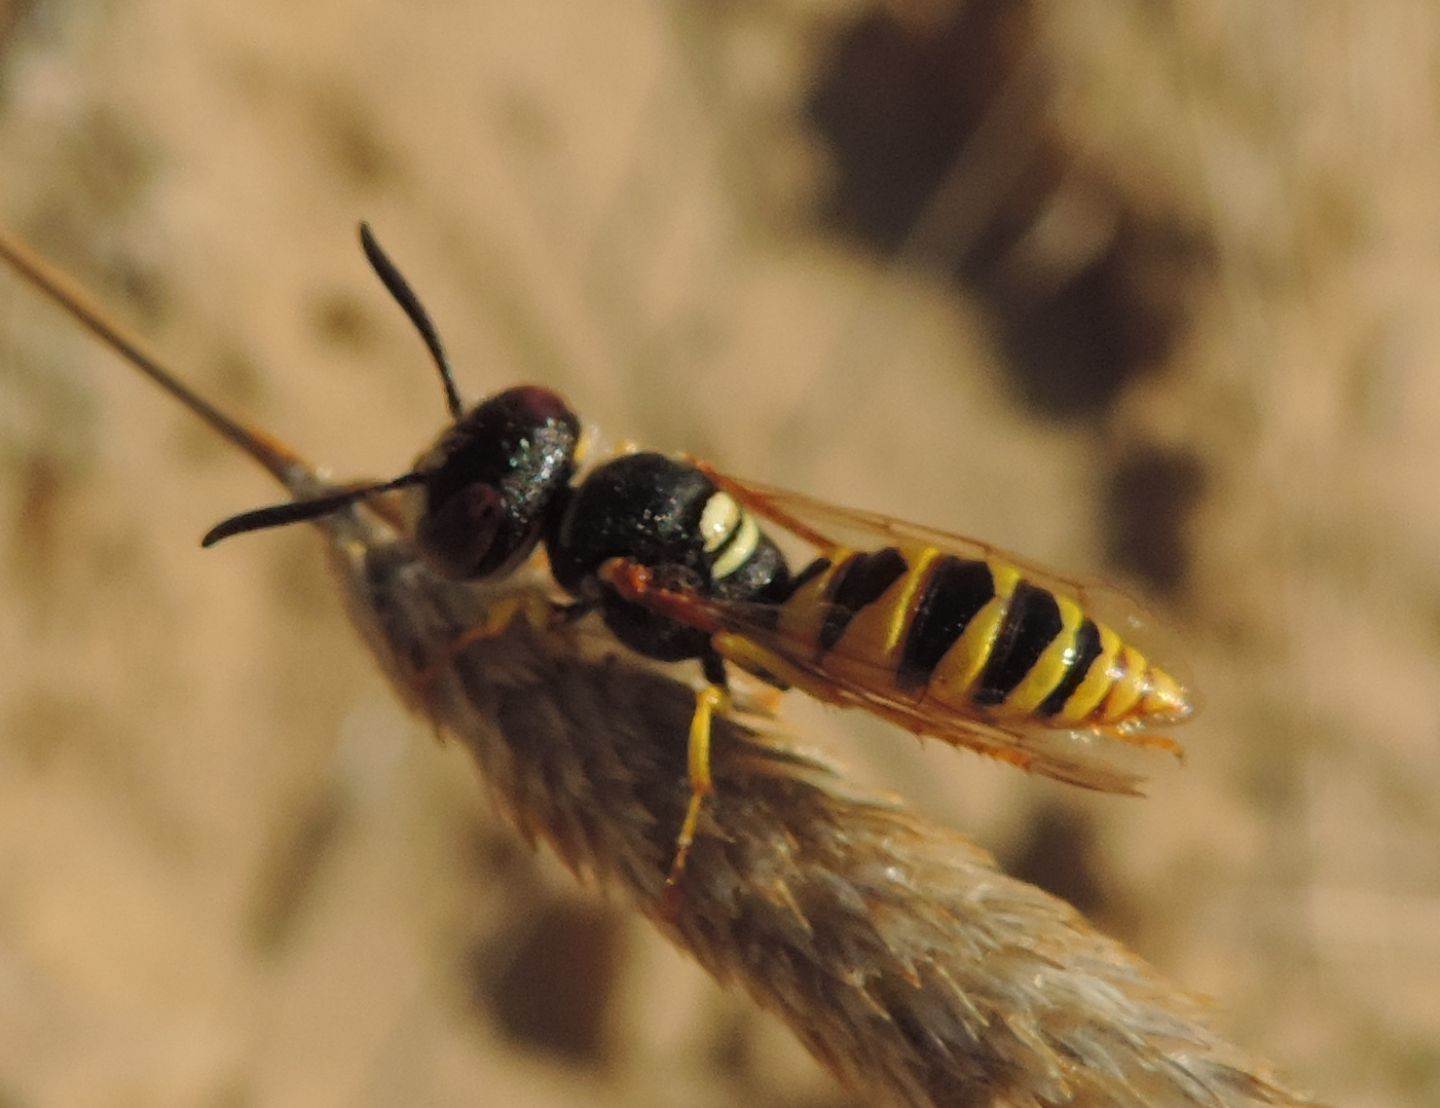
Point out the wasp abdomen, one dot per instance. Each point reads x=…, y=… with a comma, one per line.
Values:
x=975, y=636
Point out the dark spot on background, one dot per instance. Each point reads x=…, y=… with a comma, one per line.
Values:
x=48, y=728
x=896, y=104
x=528, y=121
x=549, y=980
x=340, y=320
x=348, y=133
x=110, y=164
x=142, y=289
x=236, y=376
x=1151, y=493
x=1059, y=854
x=15, y=19
x=946, y=158
x=735, y=1061
x=113, y=161
x=497, y=855
x=729, y=1047
x=34, y=536
x=238, y=385
x=297, y=852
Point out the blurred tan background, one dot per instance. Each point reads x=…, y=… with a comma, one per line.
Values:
x=1143, y=291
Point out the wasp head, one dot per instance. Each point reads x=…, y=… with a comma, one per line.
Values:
x=492, y=481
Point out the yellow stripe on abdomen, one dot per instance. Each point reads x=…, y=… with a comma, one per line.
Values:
x=960, y=668
x=869, y=648
x=1096, y=684
x=1129, y=686
x=803, y=612
x=1051, y=667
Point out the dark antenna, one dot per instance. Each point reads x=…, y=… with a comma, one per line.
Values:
x=277, y=515
x=405, y=296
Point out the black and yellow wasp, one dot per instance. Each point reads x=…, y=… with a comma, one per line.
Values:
x=944, y=636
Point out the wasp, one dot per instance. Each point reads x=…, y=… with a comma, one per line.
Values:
x=945, y=636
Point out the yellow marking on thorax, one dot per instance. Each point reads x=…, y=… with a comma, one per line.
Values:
x=1052, y=665
x=869, y=649
x=1091, y=691
x=741, y=549
x=959, y=669
x=719, y=517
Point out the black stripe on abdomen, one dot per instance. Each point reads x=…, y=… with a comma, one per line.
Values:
x=1031, y=623
x=1086, y=650
x=956, y=589
x=857, y=584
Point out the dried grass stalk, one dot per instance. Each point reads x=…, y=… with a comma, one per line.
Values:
x=893, y=947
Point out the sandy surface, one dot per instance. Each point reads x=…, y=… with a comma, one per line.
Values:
x=1171, y=321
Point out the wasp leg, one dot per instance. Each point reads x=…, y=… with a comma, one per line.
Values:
x=708, y=701
x=762, y=698
x=1145, y=741
x=534, y=609
x=776, y=670
x=714, y=697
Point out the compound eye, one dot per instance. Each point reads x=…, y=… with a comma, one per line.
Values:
x=458, y=536
x=534, y=406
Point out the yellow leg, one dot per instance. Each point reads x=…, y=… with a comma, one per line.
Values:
x=766, y=664
x=533, y=608
x=708, y=701
x=1145, y=741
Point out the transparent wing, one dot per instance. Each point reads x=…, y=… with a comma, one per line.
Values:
x=828, y=526
x=746, y=635
x=1075, y=757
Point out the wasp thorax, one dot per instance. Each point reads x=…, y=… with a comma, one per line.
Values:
x=491, y=480
x=668, y=516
